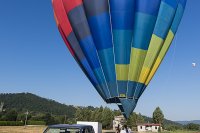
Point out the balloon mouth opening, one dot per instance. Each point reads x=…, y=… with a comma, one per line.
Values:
x=117, y=99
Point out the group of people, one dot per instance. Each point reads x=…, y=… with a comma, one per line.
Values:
x=124, y=129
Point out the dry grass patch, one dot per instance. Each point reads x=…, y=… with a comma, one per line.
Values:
x=22, y=129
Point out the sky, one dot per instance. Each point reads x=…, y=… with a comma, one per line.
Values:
x=33, y=58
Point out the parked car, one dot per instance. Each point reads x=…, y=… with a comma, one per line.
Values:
x=66, y=128
x=96, y=125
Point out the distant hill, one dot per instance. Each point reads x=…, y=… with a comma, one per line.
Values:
x=34, y=103
x=166, y=122
x=187, y=122
x=27, y=101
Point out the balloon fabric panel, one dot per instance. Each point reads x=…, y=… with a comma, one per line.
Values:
x=99, y=21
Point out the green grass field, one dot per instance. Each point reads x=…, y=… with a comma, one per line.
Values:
x=164, y=132
x=182, y=132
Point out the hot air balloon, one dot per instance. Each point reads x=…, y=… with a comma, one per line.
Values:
x=119, y=44
x=193, y=64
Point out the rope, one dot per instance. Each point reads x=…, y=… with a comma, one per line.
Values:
x=172, y=61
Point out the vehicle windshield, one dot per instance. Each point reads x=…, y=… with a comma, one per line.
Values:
x=64, y=130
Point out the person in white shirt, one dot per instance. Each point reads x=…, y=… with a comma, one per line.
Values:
x=125, y=129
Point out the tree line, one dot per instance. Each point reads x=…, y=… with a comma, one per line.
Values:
x=14, y=107
x=103, y=115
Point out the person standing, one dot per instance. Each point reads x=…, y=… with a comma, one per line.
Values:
x=117, y=129
x=125, y=129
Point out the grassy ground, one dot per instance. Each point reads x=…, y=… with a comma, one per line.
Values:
x=164, y=132
x=177, y=132
x=40, y=129
x=183, y=132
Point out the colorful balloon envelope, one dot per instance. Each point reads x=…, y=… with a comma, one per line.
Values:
x=119, y=44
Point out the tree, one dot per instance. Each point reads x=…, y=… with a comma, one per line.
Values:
x=107, y=118
x=49, y=119
x=22, y=117
x=140, y=118
x=79, y=115
x=192, y=126
x=87, y=114
x=98, y=114
x=11, y=115
x=171, y=127
x=134, y=119
x=83, y=114
x=158, y=116
x=117, y=112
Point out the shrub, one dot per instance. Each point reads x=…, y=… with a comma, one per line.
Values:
x=159, y=130
x=11, y=123
x=36, y=123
